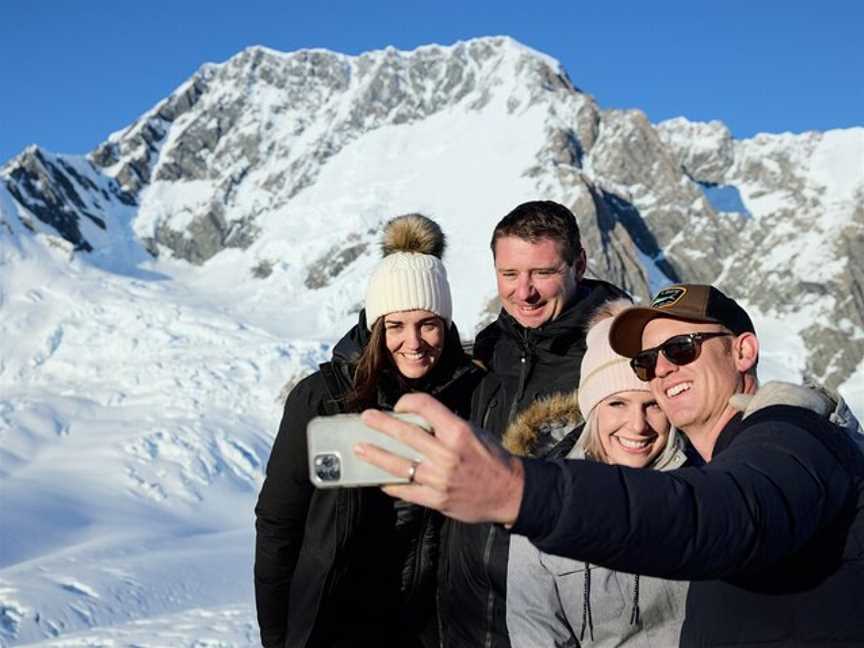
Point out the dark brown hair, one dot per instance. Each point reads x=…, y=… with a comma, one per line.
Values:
x=539, y=219
x=374, y=359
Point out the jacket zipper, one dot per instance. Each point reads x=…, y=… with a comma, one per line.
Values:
x=349, y=514
x=487, y=554
x=418, y=556
x=426, y=521
x=343, y=519
x=442, y=576
x=490, y=597
x=331, y=577
x=523, y=372
x=438, y=618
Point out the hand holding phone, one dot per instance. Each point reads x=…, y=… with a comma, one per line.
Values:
x=332, y=462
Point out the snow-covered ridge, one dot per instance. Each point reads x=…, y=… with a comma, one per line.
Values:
x=240, y=217
x=135, y=423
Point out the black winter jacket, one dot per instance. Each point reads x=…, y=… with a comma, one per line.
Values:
x=348, y=567
x=772, y=526
x=524, y=364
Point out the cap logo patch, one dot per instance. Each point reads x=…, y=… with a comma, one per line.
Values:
x=668, y=297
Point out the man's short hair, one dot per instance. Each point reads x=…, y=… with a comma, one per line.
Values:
x=539, y=219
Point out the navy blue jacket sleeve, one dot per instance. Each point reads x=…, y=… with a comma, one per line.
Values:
x=760, y=500
x=281, y=510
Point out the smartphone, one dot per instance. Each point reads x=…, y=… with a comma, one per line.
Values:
x=332, y=462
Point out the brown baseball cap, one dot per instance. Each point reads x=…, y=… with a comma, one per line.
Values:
x=688, y=302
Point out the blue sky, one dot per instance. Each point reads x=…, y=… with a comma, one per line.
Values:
x=71, y=73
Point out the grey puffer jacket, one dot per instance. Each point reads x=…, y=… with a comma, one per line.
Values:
x=561, y=602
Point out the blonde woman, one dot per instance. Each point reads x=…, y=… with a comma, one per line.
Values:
x=554, y=601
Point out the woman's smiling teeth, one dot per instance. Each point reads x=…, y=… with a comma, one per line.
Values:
x=677, y=389
x=641, y=444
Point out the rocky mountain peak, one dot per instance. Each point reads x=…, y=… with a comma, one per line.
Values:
x=222, y=163
x=227, y=123
x=704, y=150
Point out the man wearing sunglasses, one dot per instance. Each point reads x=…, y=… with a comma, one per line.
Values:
x=774, y=523
x=697, y=348
x=770, y=530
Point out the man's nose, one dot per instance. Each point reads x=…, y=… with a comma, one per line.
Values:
x=663, y=367
x=524, y=287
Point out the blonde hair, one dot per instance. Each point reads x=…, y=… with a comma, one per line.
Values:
x=593, y=446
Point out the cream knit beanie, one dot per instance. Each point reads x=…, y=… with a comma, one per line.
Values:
x=604, y=372
x=411, y=275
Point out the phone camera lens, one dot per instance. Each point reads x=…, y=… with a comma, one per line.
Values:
x=328, y=467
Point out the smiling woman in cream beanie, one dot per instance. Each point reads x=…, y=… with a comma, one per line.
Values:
x=623, y=425
x=584, y=604
x=337, y=567
x=635, y=442
x=408, y=308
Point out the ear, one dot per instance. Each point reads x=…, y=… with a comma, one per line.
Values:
x=745, y=350
x=580, y=264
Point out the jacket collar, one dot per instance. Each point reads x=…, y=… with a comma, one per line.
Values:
x=728, y=434
x=813, y=398
x=349, y=348
x=557, y=336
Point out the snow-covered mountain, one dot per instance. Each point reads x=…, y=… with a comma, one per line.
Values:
x=157, y=293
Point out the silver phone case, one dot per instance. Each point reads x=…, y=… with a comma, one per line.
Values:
x=332, y=462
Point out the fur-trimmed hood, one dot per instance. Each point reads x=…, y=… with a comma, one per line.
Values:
x=542, y=425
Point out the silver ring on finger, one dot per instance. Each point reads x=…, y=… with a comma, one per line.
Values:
x=412, y=471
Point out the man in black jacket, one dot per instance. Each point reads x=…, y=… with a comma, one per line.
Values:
x=771, y=527
x=533, y=349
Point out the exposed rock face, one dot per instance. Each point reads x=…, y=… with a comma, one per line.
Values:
x=704, y=151
x=47, y=193
x=66, y=194
x=647, y=188
x=806, y=244
x=240, y=141
x=207, y=235
x=330, y=265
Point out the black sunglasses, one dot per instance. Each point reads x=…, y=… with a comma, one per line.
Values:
x=679, y=350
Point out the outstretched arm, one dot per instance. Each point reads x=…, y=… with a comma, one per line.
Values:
x=762, y=499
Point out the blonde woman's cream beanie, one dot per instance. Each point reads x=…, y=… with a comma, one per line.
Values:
x=604, y=372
